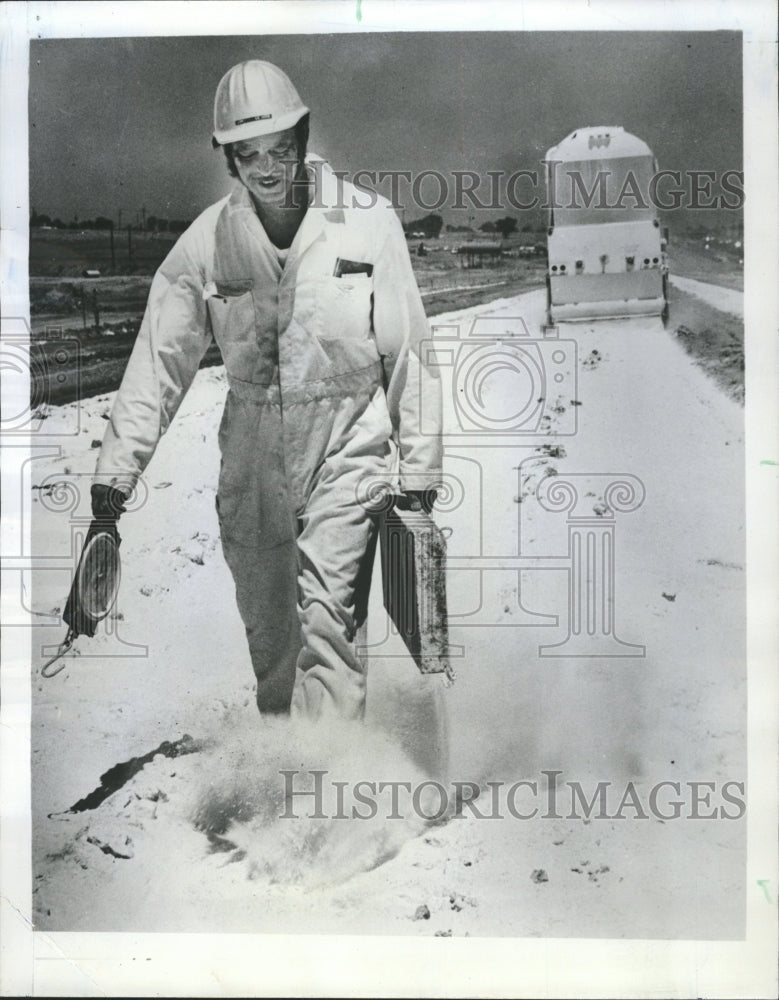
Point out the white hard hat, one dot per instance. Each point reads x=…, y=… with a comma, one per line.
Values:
x=254, y=98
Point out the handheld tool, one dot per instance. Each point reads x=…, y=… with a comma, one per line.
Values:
x=94, y=589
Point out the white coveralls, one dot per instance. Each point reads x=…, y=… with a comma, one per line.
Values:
x=323, y=372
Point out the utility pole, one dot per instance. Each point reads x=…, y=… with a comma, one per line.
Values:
x=129, y=245
x=113, y=255
x=143, y=216
x=119, y=224
x=96, y=311
x=83, y=307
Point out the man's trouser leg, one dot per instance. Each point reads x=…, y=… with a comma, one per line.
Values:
x=266, y=593
x=258, y=540
x=335, y=549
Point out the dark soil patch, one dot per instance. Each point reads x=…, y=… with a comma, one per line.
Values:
x=81, y=364
x=118, y=775
x=71, y=363
x=714, y=339
x=442, y=302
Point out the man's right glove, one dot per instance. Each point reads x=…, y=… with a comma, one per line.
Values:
x=108, y=503
x=94, y=586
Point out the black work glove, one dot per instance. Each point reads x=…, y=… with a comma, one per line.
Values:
x=416, y=500
x=108, y=504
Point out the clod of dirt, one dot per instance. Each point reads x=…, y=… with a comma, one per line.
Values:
x=669, y=597
x=593, y=359
x=220, y=845
x=95, y=443
x=107, y=849
x=538, y=875
x=192, y=552
x=552, y=450
x=457, y=902
x=422, y=913
x=443, y=933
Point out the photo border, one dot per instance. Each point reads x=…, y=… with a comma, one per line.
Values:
x=64, y=964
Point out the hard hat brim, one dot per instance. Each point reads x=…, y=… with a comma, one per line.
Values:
x=260, y=126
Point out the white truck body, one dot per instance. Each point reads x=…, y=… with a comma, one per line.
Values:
x=606, y=251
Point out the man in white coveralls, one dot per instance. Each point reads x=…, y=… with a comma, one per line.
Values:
x=311, y=298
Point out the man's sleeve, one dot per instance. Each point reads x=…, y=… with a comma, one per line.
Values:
x=403, y=339
x=174, y=336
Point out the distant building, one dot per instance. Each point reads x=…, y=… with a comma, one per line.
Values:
x=479, y=254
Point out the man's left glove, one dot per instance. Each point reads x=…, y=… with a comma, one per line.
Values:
x=108, y=503
x=416, y=500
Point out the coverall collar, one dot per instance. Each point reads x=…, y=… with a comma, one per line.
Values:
x=326, y=204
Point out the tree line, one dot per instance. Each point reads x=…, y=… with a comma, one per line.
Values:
x=430, y=226
x=152, y=224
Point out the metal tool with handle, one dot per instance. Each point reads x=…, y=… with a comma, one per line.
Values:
x=413, y=557
x=94, y=588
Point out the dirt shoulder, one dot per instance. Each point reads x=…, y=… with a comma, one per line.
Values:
x=715, y=339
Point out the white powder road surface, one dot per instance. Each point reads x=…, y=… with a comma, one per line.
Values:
x=655, y=691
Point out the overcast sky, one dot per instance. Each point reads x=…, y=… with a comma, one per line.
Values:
x=125, y=123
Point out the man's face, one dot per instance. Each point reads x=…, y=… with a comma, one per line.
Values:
x=267, y=166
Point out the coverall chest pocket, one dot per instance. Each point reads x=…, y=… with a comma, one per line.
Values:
x=344, y=307
x=231, y=309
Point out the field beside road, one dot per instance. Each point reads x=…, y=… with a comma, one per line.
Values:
x=100, y=317
x=67, y=253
